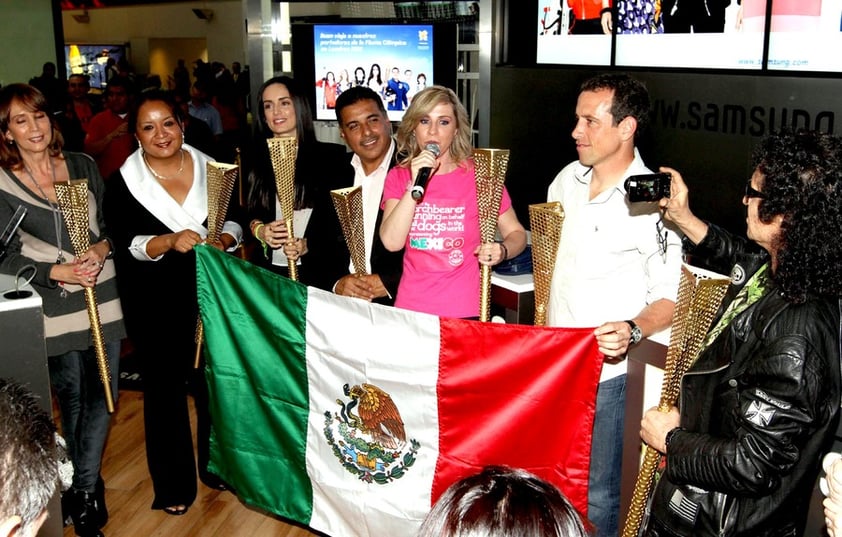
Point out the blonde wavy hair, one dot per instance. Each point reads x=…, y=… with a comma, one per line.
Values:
x=422, y=104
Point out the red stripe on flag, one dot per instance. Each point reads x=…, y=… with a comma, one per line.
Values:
x=517, y=395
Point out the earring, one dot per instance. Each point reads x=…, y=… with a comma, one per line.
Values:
x=10, y=141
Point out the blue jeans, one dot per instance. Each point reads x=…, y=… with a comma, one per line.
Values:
x=607, y=457
x=74, y=377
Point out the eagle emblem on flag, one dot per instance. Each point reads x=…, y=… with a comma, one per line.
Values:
x=367, y=435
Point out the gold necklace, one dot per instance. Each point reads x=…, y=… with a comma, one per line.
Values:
x=165, y=177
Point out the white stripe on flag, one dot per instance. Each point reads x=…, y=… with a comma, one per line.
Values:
x=352, y=342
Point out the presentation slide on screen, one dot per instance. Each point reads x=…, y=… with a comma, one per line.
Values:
x=805, y=35
x=396, y=61
x=91, y=60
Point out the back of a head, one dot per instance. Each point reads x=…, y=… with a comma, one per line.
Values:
x=502, y=502
x=28, y=458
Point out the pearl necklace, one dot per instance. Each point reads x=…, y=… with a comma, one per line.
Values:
x=165, y=177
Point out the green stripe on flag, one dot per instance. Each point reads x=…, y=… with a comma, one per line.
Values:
x=258, y=359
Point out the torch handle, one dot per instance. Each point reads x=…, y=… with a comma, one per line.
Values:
x=485, y=293
x=99, y=347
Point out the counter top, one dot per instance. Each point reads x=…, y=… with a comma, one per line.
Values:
x=7, y=284
x=519, y=283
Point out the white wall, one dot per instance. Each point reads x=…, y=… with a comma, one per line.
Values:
x=224, y=33
x=26, y=39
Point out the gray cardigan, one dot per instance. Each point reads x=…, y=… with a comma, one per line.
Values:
x=66, y=321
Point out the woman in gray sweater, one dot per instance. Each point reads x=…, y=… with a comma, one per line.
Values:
x=32, y=162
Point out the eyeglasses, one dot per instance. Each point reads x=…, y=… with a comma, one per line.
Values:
x=752, y=193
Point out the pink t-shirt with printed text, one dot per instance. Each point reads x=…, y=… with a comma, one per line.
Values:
x=440, y=272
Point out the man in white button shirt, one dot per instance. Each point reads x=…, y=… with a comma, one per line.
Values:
x=365, y=127
x=617, y=268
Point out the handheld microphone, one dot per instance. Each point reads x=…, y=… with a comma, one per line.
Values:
x=423, y=176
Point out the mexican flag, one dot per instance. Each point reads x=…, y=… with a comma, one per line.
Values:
x=352, y=418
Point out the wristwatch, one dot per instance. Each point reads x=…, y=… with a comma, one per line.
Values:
x=636, y=333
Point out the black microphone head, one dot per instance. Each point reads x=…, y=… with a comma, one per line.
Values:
x=433, y=148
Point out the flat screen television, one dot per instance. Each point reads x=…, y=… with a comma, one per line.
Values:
x=407, y=57
x=804, y=35
x=90, y=59
x=557, y=45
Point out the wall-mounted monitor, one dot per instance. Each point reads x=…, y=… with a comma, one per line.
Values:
x=394, y=59
x=562, y=39
x=682, y=35
x=805, y=35
x=91, y=60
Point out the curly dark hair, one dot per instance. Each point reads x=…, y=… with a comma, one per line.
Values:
x=802, y=181
x=631, y=98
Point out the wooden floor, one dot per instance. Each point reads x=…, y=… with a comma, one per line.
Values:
x=128, y=493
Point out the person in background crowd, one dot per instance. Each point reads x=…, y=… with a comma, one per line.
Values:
x=54, y=90
x=617, y=266
x=181, y=78
x=78, y=111
x=108, y=139
x=197, y=133
x=364, y=126
x=242, y=84
x=78, y=88
x=502, y=502
x=201, y=107
x=441, y=263
x=159, y=206
x=28, y=461
x=319, y=168
x=33, y=162
x=760, y=405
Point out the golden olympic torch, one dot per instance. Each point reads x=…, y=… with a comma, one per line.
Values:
x=545, y=221
x=73, y=199
x=348, y=203
x=489, y=172
x=221, y=180
x=700, y=294
x=282, y=152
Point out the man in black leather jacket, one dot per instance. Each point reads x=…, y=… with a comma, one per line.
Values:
x=761, y=403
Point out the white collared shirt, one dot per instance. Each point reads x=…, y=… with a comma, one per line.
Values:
x=610, y=262
x=372, y=194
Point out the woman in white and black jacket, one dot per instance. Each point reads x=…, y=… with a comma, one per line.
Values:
x=157, y=207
